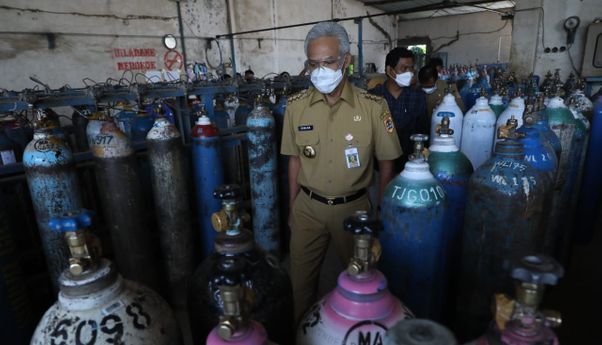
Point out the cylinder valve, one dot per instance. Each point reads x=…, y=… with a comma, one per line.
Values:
x=229, y=217
x=419, y=146
x=74, y=225
x=365, y=255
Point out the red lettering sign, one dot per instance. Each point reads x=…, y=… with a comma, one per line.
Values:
x=135, y=59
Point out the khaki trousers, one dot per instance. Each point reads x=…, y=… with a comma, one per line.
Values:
x=313, y=224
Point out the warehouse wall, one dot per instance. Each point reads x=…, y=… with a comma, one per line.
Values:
x=93, y=39
x=484, y=37
x=539, y=20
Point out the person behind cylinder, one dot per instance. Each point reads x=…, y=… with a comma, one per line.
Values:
x=407, y=104
x=249, y=76
x=435, y=89
x=333, y=133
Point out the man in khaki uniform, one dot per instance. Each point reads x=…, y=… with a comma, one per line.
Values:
x=332, y=133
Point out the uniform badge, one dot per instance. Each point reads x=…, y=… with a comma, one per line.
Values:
x=389, y=126
x=305, y=128
x=357, y=118
x=309, y=151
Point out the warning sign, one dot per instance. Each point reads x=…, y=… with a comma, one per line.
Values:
x=173, y=60
x=135, y=59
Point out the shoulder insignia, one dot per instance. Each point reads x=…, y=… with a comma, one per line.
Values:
x=297, y=96
x=371, y=97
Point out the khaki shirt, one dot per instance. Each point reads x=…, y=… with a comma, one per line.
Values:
x=357, y=121
x=433, y=100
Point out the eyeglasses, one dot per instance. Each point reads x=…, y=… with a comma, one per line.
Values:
x=330, y=62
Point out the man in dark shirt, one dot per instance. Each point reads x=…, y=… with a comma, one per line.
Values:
x=406, y=103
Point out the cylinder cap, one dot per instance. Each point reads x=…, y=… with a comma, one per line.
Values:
x=227, y=192
x=71, y=221
x=204, y=120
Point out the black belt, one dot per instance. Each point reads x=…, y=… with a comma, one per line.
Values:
x=334, y=201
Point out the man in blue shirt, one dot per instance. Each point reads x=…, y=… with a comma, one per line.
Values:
x=406, y=103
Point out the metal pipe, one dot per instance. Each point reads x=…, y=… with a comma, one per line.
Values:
x=231, y=35
x=181, y=27
x=360, y=49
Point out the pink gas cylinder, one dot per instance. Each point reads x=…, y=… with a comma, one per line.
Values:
x=520, y=322
x=235, y=327
x=361, y=309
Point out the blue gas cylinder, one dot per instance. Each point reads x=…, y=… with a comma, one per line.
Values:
x=591, y=187
x=208, y=173
x=263, y=171
x=414, y=239
x=547, y=134
x=54, y=188
x=504, y=219
x=538, y=152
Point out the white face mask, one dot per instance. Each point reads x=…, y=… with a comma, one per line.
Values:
x=404, y=79
x=326, y=79
x=429, y=90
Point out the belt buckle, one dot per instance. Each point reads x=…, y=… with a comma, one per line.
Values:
x=330, y=201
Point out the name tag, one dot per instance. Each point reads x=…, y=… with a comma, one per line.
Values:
x=352, y=158
x=305, y=128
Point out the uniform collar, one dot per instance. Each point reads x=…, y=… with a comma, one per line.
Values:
x=348, y=94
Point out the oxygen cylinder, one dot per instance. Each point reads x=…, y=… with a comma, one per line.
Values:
x=538, y=152
x=124, y=205
x=415, y=252
x=478, y=133
x=234, y=325
x=453, y=169
x=419, y=332
x=231, y=104
x=572, y=135
x=170, y=190
x=591, y=187
x=496, y=103
x=263, y=163
x=16, y=317
x=273, y=296
x=95, y=122
x=54, y=189
x=515, y=320
x=143, y=122
x=515, y=109
x=208, y=174
x=96, y=305
x=542, y=125
x=361, y=309
x=504, y=218
x=449, y=108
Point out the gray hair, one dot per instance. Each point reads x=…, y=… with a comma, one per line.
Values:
x=329, y=29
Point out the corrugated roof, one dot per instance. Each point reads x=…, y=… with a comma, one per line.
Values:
x=417, y=9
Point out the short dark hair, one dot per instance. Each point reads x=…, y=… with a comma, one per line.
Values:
x=249, y=71
x=435, y=62
x=397, y=53
x=427, y=73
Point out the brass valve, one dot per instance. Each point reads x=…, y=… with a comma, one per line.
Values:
x=507, y=131
x=84, y=251
x=366, y=249
x=229, y=217
x=443, y=127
